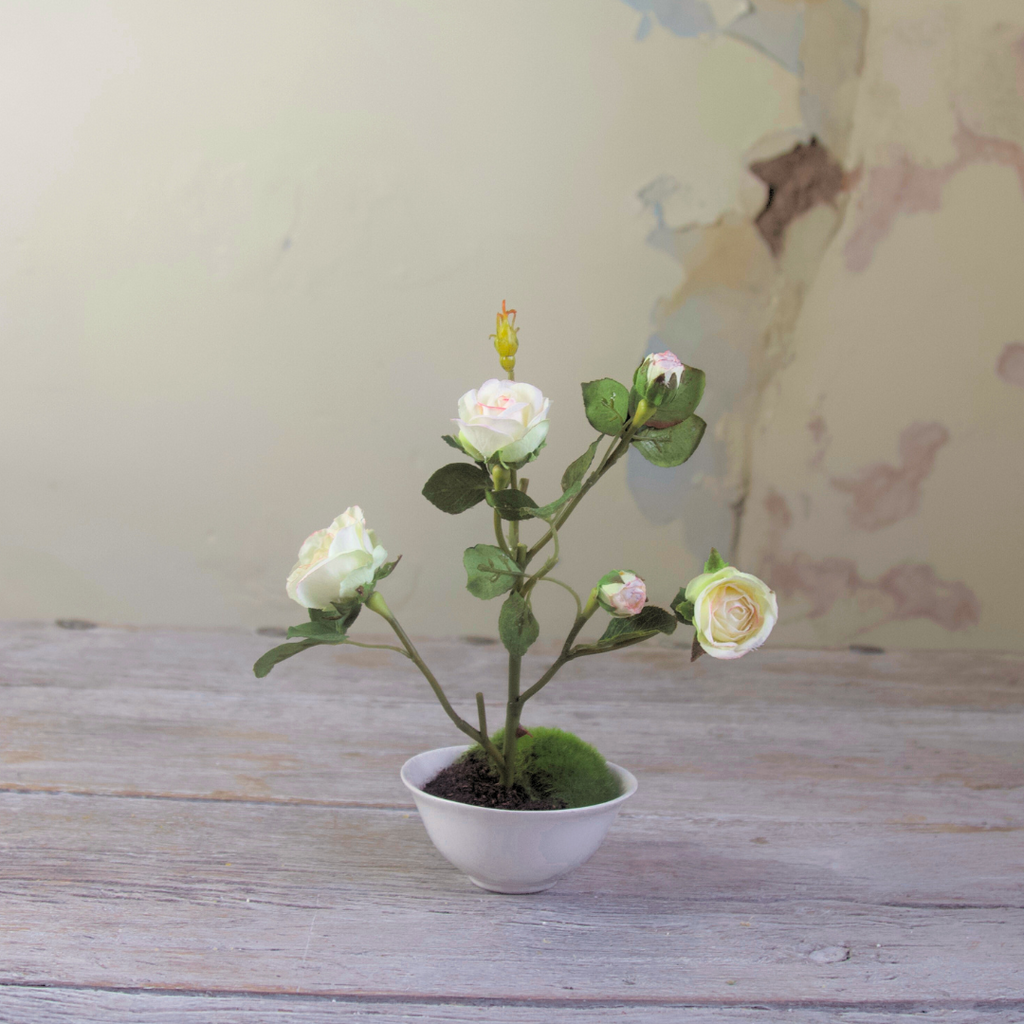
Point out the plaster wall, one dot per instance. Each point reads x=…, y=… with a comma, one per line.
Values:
x=251, y=253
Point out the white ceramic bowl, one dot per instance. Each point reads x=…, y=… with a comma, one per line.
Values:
x=510, y=851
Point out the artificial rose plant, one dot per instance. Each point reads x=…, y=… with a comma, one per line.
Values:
x=502, y=426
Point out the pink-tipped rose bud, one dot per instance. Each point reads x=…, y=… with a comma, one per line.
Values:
x=666, y=366
x=622, y=593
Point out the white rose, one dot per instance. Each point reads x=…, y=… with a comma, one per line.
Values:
x=733, y=612
x=666, y=365
x=503, y=417
x=622, y=593
x=335, y=562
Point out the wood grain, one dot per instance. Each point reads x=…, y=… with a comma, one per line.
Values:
x=825, y=835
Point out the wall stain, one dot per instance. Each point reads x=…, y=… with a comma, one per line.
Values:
x=904, y=187
x=907, y=591
x=883, y=494
x=821, y=439
x=1011, y=364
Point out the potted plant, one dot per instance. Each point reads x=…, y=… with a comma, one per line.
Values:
x=519, y=808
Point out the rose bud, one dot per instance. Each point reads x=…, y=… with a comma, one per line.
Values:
x=622, y=593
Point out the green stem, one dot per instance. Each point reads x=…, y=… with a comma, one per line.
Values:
x=615, y=451
x=565, y=655
x=486, y=743
x=379, y=647
x=513, y=526
x=513, y=710
x=377, y=604
x=500, y=534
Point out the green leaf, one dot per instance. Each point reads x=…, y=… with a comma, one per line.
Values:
x=457, y=487
x=322, y=632
x=715, y=561
x=672, y=446
x=453, y=443
x=606, y=402
x=650, y=621
x=696, y=650
x=490, y=572
x=318, y=615
x=386, y=569
x=511, y=504
x=276, y=654
x=348, y=610
x=572, y=481
x=679, y=404
x=572, y=478
x=517, y=625
x=683, y=608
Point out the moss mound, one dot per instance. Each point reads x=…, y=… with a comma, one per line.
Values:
x=554, y=765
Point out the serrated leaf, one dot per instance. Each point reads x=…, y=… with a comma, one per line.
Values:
x=680, y=404
x=348, y=610
x=517, y=625
x=457, y=487
x=573, y=476
x=672, y=446
x=512, y=504
x=715, y=561
x=606, y=403
x=385, y=570
x=489, y=571
x=649, y=621
x=323, y=632
x=278, y=654
x=319, y=615
x=696, y=651
x=572, y=481
x=683, y=608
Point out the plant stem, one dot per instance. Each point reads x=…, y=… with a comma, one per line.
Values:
x=615, y=452
x=513, y=526
x=564, y=656
x=486, y=743
x=500, y=534
x=379, y=605
x=379, y=647
x=513, y=710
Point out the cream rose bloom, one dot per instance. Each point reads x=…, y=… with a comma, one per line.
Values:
x=733, y=612
x=335, y=562
x=624, y=596
x=502, y=417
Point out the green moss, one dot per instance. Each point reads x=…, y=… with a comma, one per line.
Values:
x=552, y=764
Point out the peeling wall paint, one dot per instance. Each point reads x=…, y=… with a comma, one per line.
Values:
x=860, y=446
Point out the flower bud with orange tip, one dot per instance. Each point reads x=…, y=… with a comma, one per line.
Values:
x=506, y=340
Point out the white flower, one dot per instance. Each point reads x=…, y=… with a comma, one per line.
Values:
x=502, y=417
x=665, y=365
x=622, y=593
x=733, y=611
x=335, y=562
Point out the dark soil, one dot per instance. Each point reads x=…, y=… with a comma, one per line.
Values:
x=473, y=782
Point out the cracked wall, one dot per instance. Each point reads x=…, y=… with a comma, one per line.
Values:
x=237, y=300
x=869, y=447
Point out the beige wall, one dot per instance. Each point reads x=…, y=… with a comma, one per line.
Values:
x=251, y=253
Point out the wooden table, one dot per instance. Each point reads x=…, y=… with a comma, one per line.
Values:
x=817, y=837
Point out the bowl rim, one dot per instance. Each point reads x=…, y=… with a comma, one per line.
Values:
x=626, y=778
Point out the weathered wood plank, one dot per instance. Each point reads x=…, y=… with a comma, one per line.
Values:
x=118, y=711
x=249, y=837
x=60, y=1006
x=138, y=893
